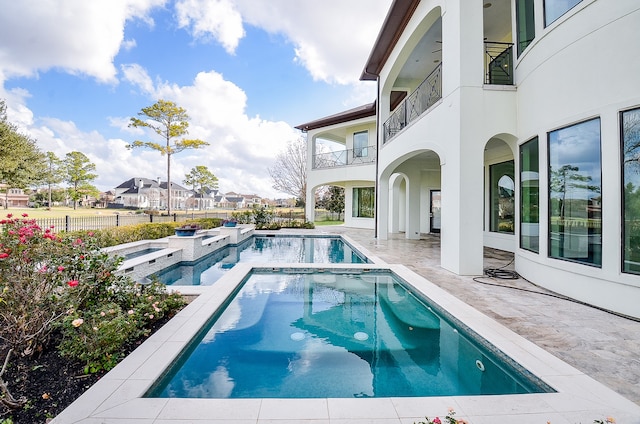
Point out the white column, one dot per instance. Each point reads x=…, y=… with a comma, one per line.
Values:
x=412, y=225
x=382, y=215
x=462, y=175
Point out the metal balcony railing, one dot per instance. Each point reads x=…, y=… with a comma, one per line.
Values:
x=426, y=95
x=498, y=63
x=345, y=157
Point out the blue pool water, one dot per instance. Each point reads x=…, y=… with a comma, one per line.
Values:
x=141, y=252
x=278, y=249
x=317, y=335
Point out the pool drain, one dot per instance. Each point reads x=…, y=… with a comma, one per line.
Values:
x=480, y=365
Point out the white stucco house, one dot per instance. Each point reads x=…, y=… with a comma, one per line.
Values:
x=146, y=193
x=512, y=124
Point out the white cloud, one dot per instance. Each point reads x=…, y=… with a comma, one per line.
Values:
x=332, y=38
x=81, y=37
x=129, y=44
x=241, y=147
x=207, y=19
x=138, y=76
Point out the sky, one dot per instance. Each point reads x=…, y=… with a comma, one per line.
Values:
x=73, y=73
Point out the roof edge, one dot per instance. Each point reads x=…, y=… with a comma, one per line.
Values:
x=394, y=24
x=364, y=111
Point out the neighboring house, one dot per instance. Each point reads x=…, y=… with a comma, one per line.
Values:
x=236, y=202
x=502, y=124
x=13, y=197
x=143, y=193
x=251, y=200
x=106, y=197
x=179, y=196
x=202, y=200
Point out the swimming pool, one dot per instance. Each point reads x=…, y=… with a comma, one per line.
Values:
x=141, y=252
x=267, y=249
x=337, y=334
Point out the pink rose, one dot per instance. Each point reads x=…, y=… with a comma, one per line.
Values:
x=73, y=283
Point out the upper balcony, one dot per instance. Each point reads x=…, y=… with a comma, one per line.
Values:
x=414, y=81
x=358, y=156
x=418, y=102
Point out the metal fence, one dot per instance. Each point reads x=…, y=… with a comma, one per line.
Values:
x=98, y=222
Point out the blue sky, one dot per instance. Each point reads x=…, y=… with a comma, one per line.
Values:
x=72, y=73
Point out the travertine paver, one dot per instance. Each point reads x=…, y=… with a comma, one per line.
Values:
x=603, y=346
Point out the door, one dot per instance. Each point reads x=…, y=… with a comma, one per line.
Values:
x=434, y=215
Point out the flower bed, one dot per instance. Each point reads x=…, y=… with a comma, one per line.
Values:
x=61, y=296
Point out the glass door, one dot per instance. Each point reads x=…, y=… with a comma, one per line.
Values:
x=434, y=215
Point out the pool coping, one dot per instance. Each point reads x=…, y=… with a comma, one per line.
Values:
x=117, y=397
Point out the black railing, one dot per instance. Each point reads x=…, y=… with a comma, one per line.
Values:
x=345, y=157
x=498, y=63
x=75, y=223
x=426, y=95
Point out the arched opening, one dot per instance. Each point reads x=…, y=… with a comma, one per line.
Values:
x=412, y=182
x=500, y=194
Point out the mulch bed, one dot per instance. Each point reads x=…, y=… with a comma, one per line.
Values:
x=48, y=382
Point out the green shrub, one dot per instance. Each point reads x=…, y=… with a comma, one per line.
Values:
x=50, y=281
x=147, y=231
x=97, y=335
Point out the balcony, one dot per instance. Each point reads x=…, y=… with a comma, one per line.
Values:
x=357, y=156
x=498, y=63
x=426, y=95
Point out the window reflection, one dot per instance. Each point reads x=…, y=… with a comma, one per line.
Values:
x=529, y=196
x=553, y=9
x=630, y=130
x=502, y=197
x=575, y=215
x=363, y=202
x=360, y=144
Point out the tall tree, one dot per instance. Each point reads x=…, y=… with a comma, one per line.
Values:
x=335, y=200
x=78, y=173
x=171, y=122
x=567, y=179
x=289, y=173
x=203, y=179
x=20, y=159
x=53, y=174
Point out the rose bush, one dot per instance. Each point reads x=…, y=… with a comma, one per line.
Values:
x=61, y=282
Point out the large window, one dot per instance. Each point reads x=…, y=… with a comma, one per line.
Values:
x=630, y=130
x=553, y=9
x=360, y=144
x=529, y=196
x=575, y=173
x=525, y=20
x=363, y=202
x=502, y=194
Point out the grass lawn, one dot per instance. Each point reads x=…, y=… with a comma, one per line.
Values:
x=321, y=223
